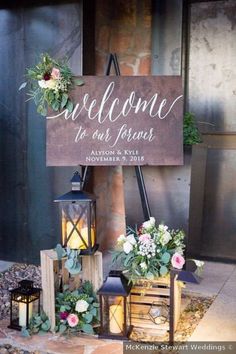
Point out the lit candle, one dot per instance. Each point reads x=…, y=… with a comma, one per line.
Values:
x=116, y=318
x=75, y=242
x=23, y=314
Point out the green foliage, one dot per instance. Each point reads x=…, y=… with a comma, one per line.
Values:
x=39, y=323
x=191, y=133
x=50, y=82
x=147, y=251
x=67, y=305
x=73, y=262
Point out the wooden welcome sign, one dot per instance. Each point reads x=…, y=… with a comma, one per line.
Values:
x=119, y=121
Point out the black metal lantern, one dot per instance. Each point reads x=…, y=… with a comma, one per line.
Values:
x=25, y=301
x=78, y=218
x=115, y=314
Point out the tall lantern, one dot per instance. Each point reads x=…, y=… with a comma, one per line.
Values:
x=25, y=302
x=115, y=314
x=78, y=218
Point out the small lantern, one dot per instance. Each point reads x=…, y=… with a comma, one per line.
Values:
x=115, y=314
x=78, y=218
x=25, y=301
x=159, y=312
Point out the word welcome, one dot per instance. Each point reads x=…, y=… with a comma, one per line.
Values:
x=131, y=104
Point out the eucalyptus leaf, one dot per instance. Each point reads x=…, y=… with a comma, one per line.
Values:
x=78, y=82
x=163, y=271
x=46, y=326
x=23, y=85
x=25, y=332
x=64, y=100
x=62, y=328
x=88, y=317
x=87, y=328
x=76, y=270
x=69, y=263
x=60, y=251
x=165, y=258
x=69, y=106
x=149, y=276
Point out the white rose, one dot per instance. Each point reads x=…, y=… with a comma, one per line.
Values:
x=149, y=224
x=81, y=306
x=143, y=265
x=165, y=238
x=121, y=239
x=127, y=247
x=131, y=239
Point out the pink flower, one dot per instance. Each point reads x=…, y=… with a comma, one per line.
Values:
x=55, y=74
x=64, y=315
x=177, y=261
x=145, y=238
x=72, y=320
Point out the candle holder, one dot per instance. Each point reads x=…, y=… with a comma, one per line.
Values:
x=115, y=314
x=25, y=301
x=78, y=218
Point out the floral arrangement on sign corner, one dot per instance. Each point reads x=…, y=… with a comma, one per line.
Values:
x=78, y=310
x=150, y=251
x=50, y=82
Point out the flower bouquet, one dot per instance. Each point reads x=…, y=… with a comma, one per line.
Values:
x=50, y=81
x=77, y=311
x=150, y=251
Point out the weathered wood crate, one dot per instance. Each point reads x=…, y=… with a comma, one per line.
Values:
x=146, y=293
x=52, y=271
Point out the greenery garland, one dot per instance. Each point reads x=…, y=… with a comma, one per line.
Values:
x=50, y=82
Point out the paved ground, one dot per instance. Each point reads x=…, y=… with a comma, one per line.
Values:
x=219, y=323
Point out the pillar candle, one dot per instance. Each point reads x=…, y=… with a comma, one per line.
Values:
x=75, y=241
x=116, y=318
x=23, y=314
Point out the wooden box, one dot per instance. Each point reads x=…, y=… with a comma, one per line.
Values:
x=146, y=294
x=51, y=277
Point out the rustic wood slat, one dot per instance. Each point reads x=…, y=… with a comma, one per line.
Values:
x=144, y=294
x=50, y=272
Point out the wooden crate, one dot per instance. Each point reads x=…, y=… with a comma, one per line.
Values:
x=50, y=271
x=144, y=294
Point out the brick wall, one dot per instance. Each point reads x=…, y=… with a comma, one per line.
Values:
x=123, y=27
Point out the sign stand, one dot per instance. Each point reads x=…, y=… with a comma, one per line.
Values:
x=112, y=59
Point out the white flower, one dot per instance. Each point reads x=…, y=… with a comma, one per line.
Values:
x=81, y=306
x=121, y=239
x=127, y=247
x=51, y=84
x=131, y=239
x=149, y=224
x=179, y=250
x=165, y=238
x=163, y=228
x=42, y=83
x=143, y=265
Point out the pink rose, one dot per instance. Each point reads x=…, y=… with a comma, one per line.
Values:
x=72, y=320
x=177, y=261
x=55, y=74
x=145, y=238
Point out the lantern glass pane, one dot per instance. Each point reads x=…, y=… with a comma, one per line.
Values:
x=23, y=308
x=78, y=230
x=113, y=315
